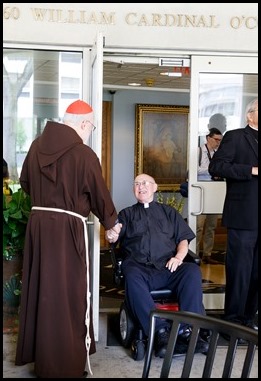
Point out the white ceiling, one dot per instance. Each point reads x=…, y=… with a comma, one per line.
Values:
x=148, y=75
x=118, y=71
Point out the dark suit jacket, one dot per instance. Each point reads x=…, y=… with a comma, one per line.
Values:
x=237, y=154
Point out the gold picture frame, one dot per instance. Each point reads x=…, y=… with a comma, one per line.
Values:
x=161, y=140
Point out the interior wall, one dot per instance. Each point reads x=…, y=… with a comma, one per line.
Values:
x=123, y=136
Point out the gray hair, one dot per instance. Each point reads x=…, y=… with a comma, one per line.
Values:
x=251, y=107
x=75, y=119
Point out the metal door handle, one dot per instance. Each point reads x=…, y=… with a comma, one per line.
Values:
x=201, y=200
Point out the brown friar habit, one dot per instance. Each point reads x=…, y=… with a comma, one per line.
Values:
x=59, y=171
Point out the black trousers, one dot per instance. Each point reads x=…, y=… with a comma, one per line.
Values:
x=241, y=297
x=185, y=282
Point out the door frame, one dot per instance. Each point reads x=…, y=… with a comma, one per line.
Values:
x=208, y=196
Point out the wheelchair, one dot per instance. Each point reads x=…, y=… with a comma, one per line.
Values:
x=131, y=333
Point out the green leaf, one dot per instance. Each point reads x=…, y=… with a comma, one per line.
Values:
x=16, y=211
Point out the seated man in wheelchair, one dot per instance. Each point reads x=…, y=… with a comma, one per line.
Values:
x=154, y=239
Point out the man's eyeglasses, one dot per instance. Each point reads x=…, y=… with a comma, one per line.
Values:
x=216, y=139
x=93, y=126
x=144, y=183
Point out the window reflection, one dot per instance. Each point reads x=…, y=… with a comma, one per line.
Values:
x=220, y=93
x=37, y=85
x=222, y=101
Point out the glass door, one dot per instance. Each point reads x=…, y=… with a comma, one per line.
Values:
x=37, y=86
x=221, y=87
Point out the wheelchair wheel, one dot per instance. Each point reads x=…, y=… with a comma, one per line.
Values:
x=138, y=349
x=126, y=326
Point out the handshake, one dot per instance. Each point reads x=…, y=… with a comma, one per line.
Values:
x=112, y=234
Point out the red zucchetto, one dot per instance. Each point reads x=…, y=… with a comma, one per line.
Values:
x=79, y=107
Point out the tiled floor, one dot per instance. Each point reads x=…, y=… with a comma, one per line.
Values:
x=115, y=361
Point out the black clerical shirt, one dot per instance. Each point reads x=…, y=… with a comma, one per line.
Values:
x=151, y=232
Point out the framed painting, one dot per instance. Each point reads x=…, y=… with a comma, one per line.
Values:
x=161, y=141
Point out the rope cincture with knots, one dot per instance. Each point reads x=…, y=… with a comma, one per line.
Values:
x=88, y=294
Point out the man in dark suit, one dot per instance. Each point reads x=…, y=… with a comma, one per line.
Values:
x=237, y=161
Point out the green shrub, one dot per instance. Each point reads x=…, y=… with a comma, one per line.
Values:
x=171, y=200
x=16, y=210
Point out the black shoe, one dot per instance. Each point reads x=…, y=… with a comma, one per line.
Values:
x=251, y=325
x=182, y=343
x=162, y=339
x=242, y=342
x=161, y=343
x=227, y=337
x=202, y=345
x=205, y=334
x=185, y=333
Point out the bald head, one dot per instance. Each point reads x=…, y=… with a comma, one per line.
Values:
x=144, y=188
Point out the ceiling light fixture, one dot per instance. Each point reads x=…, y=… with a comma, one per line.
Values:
x=134, y=84
x=172, y=74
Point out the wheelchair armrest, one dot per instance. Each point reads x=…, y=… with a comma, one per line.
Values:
x=192, y=257
x=161, y=294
